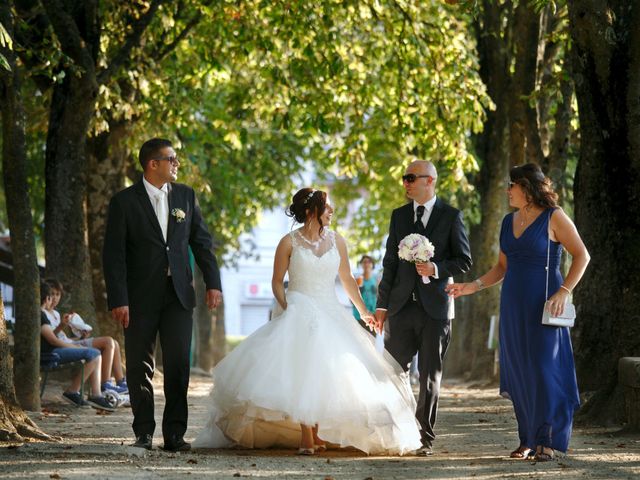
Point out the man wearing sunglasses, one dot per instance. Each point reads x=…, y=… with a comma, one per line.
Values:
x=150, y=228
x=416, y=317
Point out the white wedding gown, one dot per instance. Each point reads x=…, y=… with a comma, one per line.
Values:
x=311, y=364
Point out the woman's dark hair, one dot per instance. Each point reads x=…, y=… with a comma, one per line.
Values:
x=45, y=291
x=367, y=257
x=536, y=186
x=307, y=199
x=150, y=149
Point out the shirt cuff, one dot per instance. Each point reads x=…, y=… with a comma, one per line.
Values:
x=383, y=309
x=435, y=271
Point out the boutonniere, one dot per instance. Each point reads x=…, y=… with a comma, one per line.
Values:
x=179, y=214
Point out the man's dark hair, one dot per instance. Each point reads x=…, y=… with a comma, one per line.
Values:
x=150, y=150
x=45, y=291
x=55, y=284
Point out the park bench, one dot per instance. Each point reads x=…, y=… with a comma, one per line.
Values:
x=50, y=362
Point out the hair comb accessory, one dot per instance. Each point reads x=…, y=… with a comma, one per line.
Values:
x=309, y=196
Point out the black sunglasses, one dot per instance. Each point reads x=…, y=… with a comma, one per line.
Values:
x=412, y=177
x=510, y=184
x=172, y=160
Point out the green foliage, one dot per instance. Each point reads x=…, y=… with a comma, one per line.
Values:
x=5, y=42
x=256, y=91
x=354, y=88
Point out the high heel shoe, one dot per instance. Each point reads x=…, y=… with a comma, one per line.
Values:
x=320, y=447
x=305, y=451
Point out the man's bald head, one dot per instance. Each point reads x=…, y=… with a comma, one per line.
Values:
x=424, y=167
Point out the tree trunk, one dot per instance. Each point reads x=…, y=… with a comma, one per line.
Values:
x=219, y=335
x=606, y=47
x=15, y=425
x=23, y=247
x=108, y=156
x=492, y=148
x=524, y=139
x=205, y=325
x=72, y=108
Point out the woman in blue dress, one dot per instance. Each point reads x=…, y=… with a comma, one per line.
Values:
x=536, y=361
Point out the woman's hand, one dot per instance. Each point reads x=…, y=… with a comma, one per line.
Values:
x=555, y=304
x=456, y=290
x=368, y=318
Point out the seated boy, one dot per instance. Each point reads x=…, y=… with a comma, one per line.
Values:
x=68, y=352
x=109, y=348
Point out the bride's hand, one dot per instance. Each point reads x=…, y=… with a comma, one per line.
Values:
x=369, y=319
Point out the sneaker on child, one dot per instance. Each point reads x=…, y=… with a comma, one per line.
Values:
x=75, y=398
x=116, y=388
x=102, y=403
x=123, y=384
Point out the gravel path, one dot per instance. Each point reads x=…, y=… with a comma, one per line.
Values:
x=476, y=430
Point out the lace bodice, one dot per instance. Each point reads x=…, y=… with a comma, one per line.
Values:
x=313, y=267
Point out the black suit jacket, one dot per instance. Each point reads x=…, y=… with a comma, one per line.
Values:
x=452, y=255
x=136, y=256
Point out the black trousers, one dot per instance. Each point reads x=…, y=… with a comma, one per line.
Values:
x=173, y=323
x=409, y=331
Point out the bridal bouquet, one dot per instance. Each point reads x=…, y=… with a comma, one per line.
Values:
x=416, y=248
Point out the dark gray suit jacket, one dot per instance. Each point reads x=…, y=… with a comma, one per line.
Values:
x=136, y=256
x=446, y=231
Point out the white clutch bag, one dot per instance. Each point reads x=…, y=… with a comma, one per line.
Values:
x=566, y=319
x=568, y=316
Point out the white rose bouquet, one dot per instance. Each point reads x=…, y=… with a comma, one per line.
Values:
x=416, y=248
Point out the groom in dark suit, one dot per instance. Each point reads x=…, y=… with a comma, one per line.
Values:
x=416, y=317
x=150, y=227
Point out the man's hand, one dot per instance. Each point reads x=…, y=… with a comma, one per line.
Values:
x=121, y=315
x=425, y=269
x=214, y=298
x=381, y=316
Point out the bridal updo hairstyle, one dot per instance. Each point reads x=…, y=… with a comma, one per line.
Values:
x=535, y=185
x=307, y=201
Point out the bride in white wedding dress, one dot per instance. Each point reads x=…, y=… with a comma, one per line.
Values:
x=312, y=375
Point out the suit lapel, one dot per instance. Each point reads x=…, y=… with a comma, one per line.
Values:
x=408, y=215
x=145, y=201
x=434, y=218
x=172, y=218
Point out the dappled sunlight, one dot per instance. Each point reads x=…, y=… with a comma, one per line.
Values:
x=475, y=431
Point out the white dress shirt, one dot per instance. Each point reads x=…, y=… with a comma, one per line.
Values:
x=428, y=208
x=160, y=201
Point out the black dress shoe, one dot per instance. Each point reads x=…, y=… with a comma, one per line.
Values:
x=176, y=444
x=424, y=451
x=144, y=441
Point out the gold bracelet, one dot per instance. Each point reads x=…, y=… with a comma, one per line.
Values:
x=565, y=288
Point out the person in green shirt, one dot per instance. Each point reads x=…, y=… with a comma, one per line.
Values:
x=368, y=284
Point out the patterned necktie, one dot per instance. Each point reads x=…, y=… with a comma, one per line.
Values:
x=419, y=213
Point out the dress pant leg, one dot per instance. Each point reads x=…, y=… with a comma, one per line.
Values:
x=139, y=340
x=435, y=337
x=400, y=338
x=176, y=325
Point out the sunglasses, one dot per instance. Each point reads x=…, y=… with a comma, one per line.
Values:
x=510, y=184
x=172, y=160
x=412, y=177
